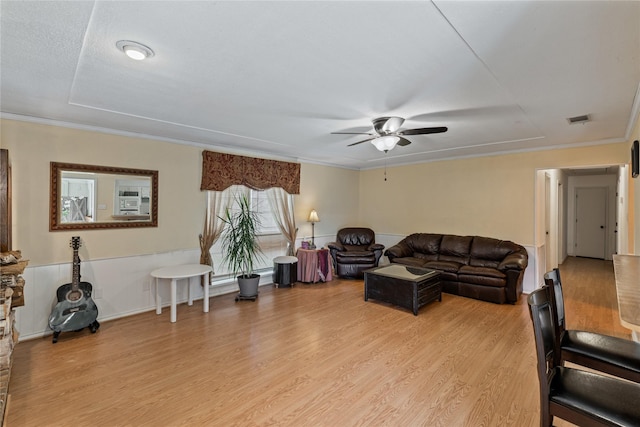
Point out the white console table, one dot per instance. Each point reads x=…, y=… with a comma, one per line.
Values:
x=175, y=273
x=627, y=272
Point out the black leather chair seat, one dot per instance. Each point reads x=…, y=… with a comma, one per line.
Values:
x=607, y=400
x=580, y=397
x=615, y=356
x=612, y=350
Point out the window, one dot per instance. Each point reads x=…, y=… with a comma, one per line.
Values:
x=271, y=240
x=260, y=204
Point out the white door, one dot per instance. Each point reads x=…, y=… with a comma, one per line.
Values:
x=591, y=208
x=547, y=223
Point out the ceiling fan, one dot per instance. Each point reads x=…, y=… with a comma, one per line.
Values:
x=387, y=134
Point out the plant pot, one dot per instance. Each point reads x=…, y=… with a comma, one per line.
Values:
x=249, y=285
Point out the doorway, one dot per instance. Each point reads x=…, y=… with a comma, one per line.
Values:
x=556, y=212
x=591, y=221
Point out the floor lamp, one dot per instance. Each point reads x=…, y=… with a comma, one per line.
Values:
x=313, y=218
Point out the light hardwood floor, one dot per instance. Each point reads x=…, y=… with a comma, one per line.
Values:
x=312, y=355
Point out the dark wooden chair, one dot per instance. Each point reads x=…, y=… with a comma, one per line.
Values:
x=604, y=353
x=579, y=397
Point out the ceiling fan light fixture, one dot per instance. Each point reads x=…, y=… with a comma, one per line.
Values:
x=386, y=125
x=385, y=143
x=393, y=124
x=135, y=50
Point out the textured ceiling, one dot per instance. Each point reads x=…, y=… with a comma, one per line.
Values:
x=276, y=78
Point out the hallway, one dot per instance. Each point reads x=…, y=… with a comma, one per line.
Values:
x=590, y=296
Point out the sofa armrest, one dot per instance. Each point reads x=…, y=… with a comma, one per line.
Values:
x=335, y=246
x=400, y=250
x=514, y=261
x=376, y=247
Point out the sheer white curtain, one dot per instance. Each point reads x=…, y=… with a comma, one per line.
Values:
x=281, y=204
x=217, y=202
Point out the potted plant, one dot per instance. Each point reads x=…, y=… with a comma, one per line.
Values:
x=241, y=248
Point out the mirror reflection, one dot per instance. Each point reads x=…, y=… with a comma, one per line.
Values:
x=85, y=196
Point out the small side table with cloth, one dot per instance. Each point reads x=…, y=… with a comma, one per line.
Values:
x=314, y=265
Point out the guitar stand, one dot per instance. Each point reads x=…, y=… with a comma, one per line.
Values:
x=246, y=298
x=93, y=326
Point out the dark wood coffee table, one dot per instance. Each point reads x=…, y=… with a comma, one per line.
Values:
x=404, y=286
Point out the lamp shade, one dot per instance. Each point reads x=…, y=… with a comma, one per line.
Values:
x=313, y=216
x=385, y=143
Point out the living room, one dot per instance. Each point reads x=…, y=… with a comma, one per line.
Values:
x=496, y=194
x=119, y=261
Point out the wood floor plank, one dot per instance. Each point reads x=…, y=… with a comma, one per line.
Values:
x=311, y=355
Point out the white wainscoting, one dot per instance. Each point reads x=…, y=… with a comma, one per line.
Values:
x=121, y=287
x=530, y=282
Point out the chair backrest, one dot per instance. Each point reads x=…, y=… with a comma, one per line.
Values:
x=552, y=280
x=356, y=236
x=544, y=330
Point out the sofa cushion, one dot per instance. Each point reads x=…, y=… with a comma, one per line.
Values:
x=356, y=248
x=414, y=262
x=449, y=266
x=455, y=248
x=488, y=252
x=482, y=276
x=426, y=257
x=355, y=257
x=425, y=243
x=482, y=271
x=447, y=276
x=482, y=280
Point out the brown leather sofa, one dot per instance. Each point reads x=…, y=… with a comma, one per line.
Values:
x=354, y=251
x=471, y=266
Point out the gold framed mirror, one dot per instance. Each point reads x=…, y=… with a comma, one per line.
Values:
x=84, y=197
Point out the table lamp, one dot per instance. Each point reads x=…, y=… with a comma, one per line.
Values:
x=313, y=218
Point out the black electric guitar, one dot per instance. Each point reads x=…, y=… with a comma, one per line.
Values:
x=75, y=309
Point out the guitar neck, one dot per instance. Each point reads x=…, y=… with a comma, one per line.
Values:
x=75, y=279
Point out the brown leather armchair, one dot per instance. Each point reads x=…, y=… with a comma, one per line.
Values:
x=355, y=251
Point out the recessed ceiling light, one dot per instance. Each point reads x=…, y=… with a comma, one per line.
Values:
x=134, y=50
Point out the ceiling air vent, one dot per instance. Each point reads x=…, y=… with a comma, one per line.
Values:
x=579, y=119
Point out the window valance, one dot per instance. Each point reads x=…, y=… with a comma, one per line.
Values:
x=220, y=171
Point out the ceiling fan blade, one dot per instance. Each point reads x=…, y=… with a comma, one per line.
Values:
x=351, y=133
x=403, y=142
x=360, y=142
x=423, y=131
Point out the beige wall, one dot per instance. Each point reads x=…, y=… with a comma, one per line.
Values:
x=332, y=191
x=490, y=196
